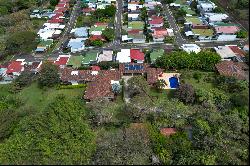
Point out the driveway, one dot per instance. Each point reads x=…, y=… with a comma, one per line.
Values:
x=126, y=94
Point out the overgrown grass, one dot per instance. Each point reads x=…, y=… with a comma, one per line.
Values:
x=38, y=98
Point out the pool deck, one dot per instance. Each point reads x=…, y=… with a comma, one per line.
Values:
x=166, y=76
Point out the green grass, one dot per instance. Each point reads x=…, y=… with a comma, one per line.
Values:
x=187, y=77
x=38, y=98
x=194, y=20
x=4, y=89
x=203, y=32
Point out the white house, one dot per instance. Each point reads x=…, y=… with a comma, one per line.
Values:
x=225, y=52
x=191, y=48
x=206, y=6
x=123, y=56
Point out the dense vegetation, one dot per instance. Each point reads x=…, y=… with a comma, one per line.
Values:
x=204, y=60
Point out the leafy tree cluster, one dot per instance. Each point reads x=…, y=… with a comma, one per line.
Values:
x=106, y=13
x=58, y=135
x=204, y=60
x=107, y=65
x=48, y=76
x=108, y=34
x=126, y=146
x=242, y=34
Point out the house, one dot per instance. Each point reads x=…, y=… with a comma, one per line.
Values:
x=240, y=54
x=80, y=32
x=151, y=5
x=133, y=6
x=135, y=25
x=216, y=17
x=168, y=131
x=225, y=52
x=97, y=37
x=75, y=61
x=156, y=54
x=135, y=36
x=133, y=68
x=62, y=60
x=134, y=16
x=246, y=48
x=159, y=34
x=76, y=45
x=201, y=34
x=205, y=6
x=136, y=56
x=238, y=70
x=33, y=67
x=102, y=87
x=192, y=21
x=90, y=57
x=98, y=28
x=15, y=68
x=191, y=48
x=87, y=11
x=44, y=45
x=105, y=56
x=226, y=33
x=123, y=56
x=156, y=21
x=153, y=74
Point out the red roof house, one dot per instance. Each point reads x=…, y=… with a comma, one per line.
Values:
x=227, y=29
x=95, y=68
x=97, y=37
x=62, y=61
x=15, y=68
x=237, y=51
x=136, y=55
x=159, y=34
x=156, y=21
x=168, y=131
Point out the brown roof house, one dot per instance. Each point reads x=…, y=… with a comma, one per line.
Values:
x=233, y=69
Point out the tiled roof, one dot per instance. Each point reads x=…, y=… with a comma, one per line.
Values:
x=136, y=54
x=152, y=75
x=96, y=37
x=156, y=20
x=230, y=68
x=95, y=68
x=237, y=51
x=14, y=66
x=62, y=61
x=160, y=33
x=226, y=29
x=168, y=131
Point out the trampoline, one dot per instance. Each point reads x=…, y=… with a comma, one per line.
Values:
x=173, y=82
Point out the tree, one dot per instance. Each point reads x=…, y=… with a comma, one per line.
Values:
x=21, y=42
x=53, y=2
x=126, y=146
x=48, y=76
x=3, y=10
x=98, y=43
x=57, y=135
x=185, y=93
x=108, y=34
x=22, y=81
x=241, y=34
x=138, y=85
x=197, y=76
x=218, y=10
x=167, y=1
x=116, y=88
x=144, y=14
x=160, y=84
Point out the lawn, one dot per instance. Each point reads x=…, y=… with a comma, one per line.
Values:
x=37, y=98
x=187, y=77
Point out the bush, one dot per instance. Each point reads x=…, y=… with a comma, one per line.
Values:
x=71, y=86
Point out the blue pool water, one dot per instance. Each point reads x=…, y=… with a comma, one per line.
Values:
x=173, y=82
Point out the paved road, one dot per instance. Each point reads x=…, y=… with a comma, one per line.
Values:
x=118, y=22
x=69, y=26
x=178, y=38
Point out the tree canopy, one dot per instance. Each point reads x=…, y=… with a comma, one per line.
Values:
x=58, y=135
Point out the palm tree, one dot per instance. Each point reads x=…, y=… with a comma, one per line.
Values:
x=160, y=84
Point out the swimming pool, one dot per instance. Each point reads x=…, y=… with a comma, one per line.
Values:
x=173, y=82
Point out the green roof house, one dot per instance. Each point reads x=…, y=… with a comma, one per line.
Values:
x=203, y=34
x=155, y=54
x=136, y=25
x=75, y=61
x=90, y=57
